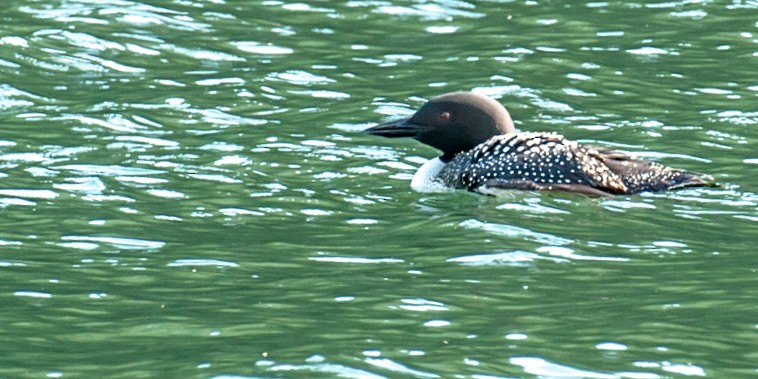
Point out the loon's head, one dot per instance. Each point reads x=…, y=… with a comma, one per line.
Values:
x=452, y=122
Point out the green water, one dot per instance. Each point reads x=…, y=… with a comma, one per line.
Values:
x=185, y=192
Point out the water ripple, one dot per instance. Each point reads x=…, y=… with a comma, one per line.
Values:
x=201, y=262
x=515, y=232
x=429, y=11
x=541, y=367
x=119, y=242
x=396, y=367
x=261, y=48
x=509, y=258
x=112, y=170
x=328, y=368
x=119, y=11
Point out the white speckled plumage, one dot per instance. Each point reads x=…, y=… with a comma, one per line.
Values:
x=549, y=161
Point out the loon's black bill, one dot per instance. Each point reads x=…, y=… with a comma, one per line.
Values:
x=395, y=129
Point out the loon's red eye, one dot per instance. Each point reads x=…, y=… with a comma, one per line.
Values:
x=444, y=116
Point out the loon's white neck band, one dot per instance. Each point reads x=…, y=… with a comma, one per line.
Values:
x=425, y=179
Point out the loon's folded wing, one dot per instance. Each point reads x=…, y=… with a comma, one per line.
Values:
x=640, y=175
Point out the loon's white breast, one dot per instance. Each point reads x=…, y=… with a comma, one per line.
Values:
x=425, y=179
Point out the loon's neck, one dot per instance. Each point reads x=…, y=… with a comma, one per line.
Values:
x=425, y=179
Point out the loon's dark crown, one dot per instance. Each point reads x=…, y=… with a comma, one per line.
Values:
x=453, y=122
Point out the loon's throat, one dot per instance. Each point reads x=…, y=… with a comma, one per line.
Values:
x=426, y=178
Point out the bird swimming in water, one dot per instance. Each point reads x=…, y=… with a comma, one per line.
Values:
x=482, y=152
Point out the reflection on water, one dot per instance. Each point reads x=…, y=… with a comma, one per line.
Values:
x=186, y=183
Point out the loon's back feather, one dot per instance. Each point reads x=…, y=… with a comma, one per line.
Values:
x=540, y=161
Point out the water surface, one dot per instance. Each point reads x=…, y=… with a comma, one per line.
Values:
x=185, y=192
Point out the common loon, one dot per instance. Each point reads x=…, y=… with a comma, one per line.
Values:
x=482, y=152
